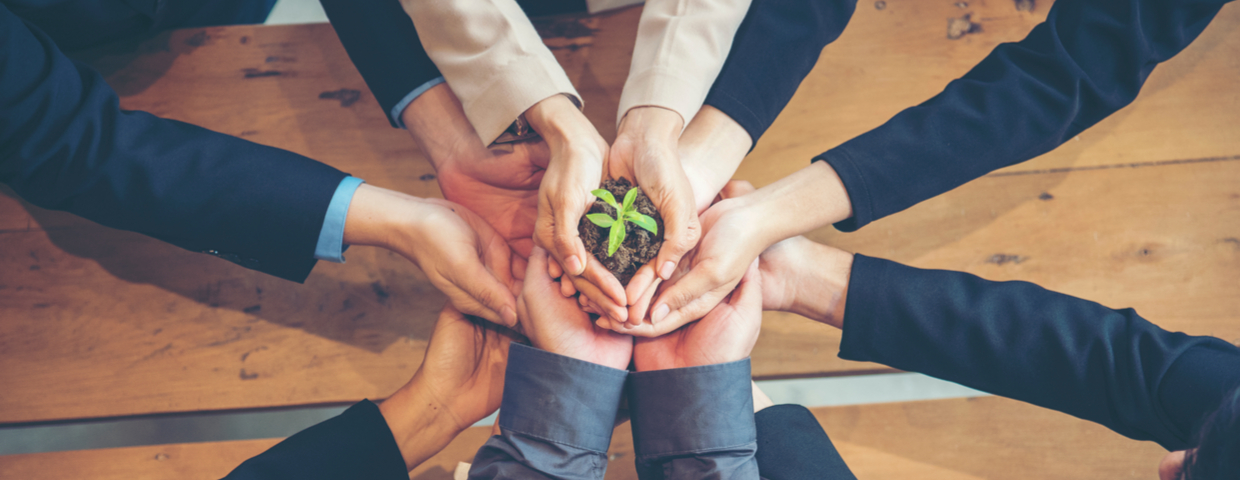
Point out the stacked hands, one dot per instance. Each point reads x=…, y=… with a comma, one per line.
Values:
x=535, y=192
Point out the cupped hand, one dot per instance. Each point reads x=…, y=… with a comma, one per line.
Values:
x=726, y=334
x=498, y=182
x=463, y=370
x=734, y=237
x=646, y=152
x=558, y=325
x=458, y=251
x=578, y=154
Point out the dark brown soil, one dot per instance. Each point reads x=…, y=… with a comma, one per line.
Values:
x=640, y=246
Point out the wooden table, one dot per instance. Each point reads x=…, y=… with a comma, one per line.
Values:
x=1142, y=210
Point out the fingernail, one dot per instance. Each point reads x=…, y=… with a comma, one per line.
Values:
x=509, y=316
x=659, y=313
x=574, y=265
x=666, y=272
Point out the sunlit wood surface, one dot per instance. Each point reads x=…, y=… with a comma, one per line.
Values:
x=1143, y=211
x=958, y=439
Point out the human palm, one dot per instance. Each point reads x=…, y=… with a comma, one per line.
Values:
x=499, y=183
x=558, y=325
x=463, y=370
x=726, y=334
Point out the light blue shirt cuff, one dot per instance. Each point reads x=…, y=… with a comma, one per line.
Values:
x=400, y=106
x=331, y=245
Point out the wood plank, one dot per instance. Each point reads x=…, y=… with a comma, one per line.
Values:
x=103, y=323
x=957, y=439
x=988, y=437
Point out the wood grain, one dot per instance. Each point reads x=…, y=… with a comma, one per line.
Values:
x=101, y=323
x=958, y=439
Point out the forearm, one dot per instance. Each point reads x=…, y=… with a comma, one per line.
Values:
x=76, y=150
x=711, y=149
x=775, y=48
x=1020, y=341
x=809, y=199
x=556, y=419
x=421, y=424
x=694, y=422
x=680, y=48
x=492, y=56
x=1089, y=59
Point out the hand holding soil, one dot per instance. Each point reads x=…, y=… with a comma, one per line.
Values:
x=639, y=244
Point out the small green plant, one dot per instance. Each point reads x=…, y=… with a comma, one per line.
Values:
x=624, y=213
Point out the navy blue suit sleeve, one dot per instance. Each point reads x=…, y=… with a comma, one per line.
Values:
x=1087, y=60
x=1018, y=340
x=65, y=144
x=793, y=446
x=775, y=48
x=355, y=444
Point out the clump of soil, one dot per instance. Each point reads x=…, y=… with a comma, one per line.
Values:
x=639, y=246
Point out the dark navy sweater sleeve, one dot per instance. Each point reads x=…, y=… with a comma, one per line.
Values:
x=383, y=44
x=793, y=446
x=1087, y=60
x=65, y=144
x=775, y=48
x=355, y=444
x=1018, y=340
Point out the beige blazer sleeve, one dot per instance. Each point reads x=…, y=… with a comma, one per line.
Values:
x=491, y=56
x=681, y=46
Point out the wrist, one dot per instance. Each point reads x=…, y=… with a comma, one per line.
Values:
x=822, y=285
x=651, y=124
x=557, y=119
x=437, y=122
x=421, y=423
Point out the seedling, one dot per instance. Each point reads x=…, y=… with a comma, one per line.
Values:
x=624, y=213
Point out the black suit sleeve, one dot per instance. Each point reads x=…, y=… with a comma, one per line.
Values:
x=356, y=444
x=1089, y=59
x=65, y=144
x=384, y=46
x=793, y=446
x=775, y=48
x=1018, y=340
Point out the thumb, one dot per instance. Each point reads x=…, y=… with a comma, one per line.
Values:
x=736, y=188
x=487, y=297
x=691, y=297
x=683, y=230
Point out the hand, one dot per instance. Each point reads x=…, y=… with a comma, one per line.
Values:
x=576, y=168
x=556, y=324
x=458, y=251
x=711, y=149
x=726, y=334
x=499, y=182
x=645, y=151
x=460, y=382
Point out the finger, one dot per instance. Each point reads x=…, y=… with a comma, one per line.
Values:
x=640, y=282
x=519, y=265
x=566, y=287
x=492, y=299
x=553, y=269
x=605, y=282
x=522, y=246
x=569, y=250
x=748, y=293
x=539, y=153
x=606, y=306
x=682, y=234
x=692, y=296
x=638, y=311
x=736, y=188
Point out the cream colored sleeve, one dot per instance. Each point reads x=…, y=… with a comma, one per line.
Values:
x=681, y=46
x=491, y=56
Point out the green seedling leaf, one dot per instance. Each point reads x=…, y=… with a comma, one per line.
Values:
x=616, y=238
x=629, y=198
x=642, y=221
x=607, y=197
x=601, y=219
